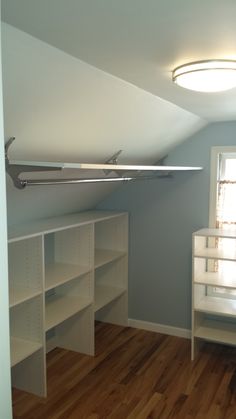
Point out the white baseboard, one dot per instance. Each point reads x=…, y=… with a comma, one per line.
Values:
x=160, y=328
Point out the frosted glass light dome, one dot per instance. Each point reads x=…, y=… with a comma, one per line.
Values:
x=206, y=76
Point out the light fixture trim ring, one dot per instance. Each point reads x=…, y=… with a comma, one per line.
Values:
x=203, y=66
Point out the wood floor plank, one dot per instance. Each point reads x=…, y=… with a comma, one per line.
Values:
x=147, y=409
x=135, y=375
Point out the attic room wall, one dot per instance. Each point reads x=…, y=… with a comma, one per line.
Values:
x=62, y=109
x=163, y=216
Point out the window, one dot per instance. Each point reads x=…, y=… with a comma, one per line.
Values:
x=223, y=215
x=226, y=191
x=223, y=183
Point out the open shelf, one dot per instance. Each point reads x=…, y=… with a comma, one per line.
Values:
x=105, y=294
x=102, y=166
x=103, y=256
x=216, y=279
x=59, y=273
x=216, y=305
x=215, y=253
x=217, y=331
x=18, y=296
x=21, y=349
x=216, y=232
x=59, y=308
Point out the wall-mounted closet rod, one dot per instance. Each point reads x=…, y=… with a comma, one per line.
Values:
x=40, y=182
x=47, y=182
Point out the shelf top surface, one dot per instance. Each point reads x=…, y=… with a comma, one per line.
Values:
x=217, y=305
x=104, y=166
x=216, y=232
x=105, y=294
x=54, y=224
x=216, y=253
x=216, y=279
x=21, y=349
x=60, y=308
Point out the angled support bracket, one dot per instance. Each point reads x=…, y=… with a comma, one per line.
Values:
x=160, y=162
x=15, y=170
x=112, y=160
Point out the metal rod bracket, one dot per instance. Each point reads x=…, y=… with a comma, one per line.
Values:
x=15, y=170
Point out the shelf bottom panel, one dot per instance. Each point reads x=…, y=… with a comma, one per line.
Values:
x=105, y=294
x=216, y=331
x=22, y=349
x=60, y=308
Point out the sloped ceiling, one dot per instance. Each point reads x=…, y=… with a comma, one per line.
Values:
x=62, y=109
x=139, y=41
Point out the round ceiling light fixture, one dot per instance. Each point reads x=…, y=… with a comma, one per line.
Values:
x=206, y=76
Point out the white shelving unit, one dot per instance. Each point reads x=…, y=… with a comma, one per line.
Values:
x=213, y=316
x=63, y=271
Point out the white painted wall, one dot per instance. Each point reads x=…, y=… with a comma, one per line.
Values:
x=5, y=388
x=60, y=108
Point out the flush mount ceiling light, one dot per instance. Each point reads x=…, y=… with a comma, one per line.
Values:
x=206, y=76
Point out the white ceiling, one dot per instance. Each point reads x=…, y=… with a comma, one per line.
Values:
x=139, y=41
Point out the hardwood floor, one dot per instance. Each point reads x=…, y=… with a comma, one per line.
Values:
x=135, y=375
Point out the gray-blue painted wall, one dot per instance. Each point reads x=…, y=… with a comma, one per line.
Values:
x=163, y=215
